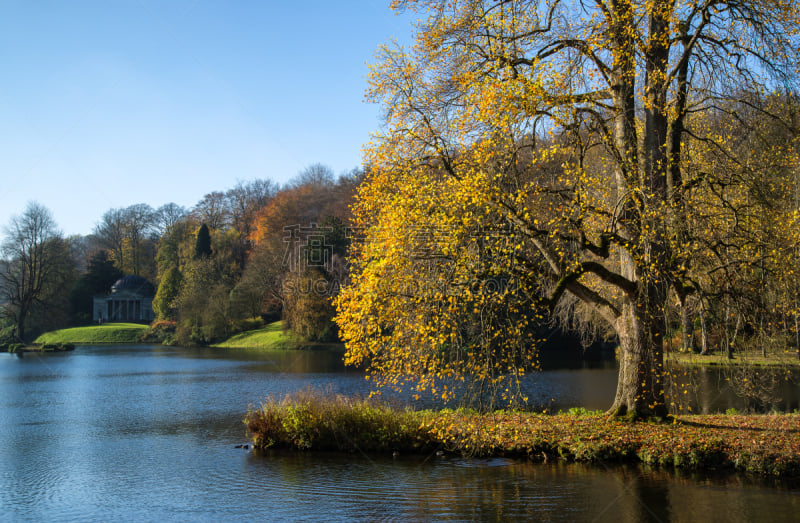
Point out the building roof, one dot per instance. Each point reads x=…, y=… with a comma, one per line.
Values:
x=133, y=284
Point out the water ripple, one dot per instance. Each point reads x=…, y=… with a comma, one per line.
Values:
x=148, y=434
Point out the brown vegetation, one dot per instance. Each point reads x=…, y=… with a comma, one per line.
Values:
x=766, y=445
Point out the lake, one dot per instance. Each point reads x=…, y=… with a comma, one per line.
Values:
x=148, y=433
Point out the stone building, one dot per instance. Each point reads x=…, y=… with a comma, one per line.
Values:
x=131, y=299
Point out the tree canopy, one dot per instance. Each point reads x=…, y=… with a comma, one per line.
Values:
x=575, y=158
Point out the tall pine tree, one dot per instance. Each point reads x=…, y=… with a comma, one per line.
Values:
x=202, y=246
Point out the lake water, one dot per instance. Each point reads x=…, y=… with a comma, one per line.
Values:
x=148, y=433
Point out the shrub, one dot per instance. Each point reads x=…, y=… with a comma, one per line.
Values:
x=324, y=421
x=247, y=324
x=162, y=332
x=15, y=347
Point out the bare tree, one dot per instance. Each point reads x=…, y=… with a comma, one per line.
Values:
x=125, y=232
x=139, y=220
x=212, y=210
x=315, y=175
x=247, y=198
x=110, y=233
x=36, y=262
x=167, y=216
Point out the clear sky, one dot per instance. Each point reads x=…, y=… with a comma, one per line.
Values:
x=108, y=103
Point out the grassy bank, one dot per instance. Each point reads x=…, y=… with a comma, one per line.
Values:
x=767, y=445
x=94, y=334
x=269, y=337
x=783, y=359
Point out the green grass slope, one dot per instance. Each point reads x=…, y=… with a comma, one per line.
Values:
x=269, y=337
x=95, y=334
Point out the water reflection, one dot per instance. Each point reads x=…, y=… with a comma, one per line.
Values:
x=707, y=390
x=410, y=489
x=148, y=433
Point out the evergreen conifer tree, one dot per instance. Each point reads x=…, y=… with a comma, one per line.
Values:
x=202, y=247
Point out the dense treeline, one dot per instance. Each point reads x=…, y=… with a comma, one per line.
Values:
x=261, y=252
x=256, y=252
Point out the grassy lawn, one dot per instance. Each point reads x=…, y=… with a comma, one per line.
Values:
x=94, y=334
x=749, y=358
x=269, y=337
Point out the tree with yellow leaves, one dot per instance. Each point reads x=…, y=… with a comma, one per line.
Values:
x=745, y=265
x=538, y=156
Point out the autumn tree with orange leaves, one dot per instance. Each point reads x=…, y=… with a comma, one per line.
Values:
x=555, y=156
x=283, y=276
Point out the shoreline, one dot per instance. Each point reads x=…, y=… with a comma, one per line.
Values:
x=764, y=445
x=786, y=359
x=18, y=348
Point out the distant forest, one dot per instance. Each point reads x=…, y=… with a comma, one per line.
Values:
x=253, y=253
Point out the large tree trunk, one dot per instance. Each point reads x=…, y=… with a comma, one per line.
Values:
x=640, y=321
x=640, y=387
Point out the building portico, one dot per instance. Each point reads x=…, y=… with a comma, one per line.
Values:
x=131, y=299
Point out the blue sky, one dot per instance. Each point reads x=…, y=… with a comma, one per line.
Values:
x=109, y=103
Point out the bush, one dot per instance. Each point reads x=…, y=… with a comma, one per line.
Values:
x=308, y=310
x=247, y=324
x=314, y=419
x=162, y=332
x=15, y=347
